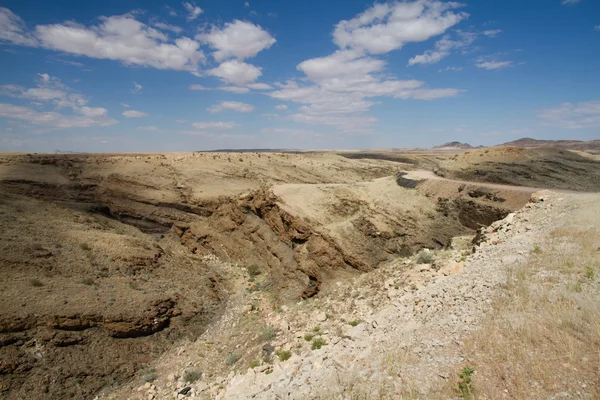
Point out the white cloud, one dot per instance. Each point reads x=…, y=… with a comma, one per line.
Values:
x=49, y=89
x=193, y=11
x=197, y=87
x=342, y=101
x=147, y=128
x=492, y=64
x=246, y=4
x=597, y=27
x=452, y=69
x=341, y=63
x=136, y=87
x=122, y=38
x=13, y=29
x=236, y=72
x=341, y=88
x=237, y=39
x=572, y=115
x=259, y=86
x=231, y=105
x=125, y=105
x=89, y=117
x=444, y=47
x=214, y=125
x=429, y=57
x=492, y=33
x=168, y=27
x=281, y=107
x=134, y=114
x=570, y=2
x=389, y=26
x=234, y=89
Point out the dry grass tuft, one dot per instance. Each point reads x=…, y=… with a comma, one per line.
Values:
x=544, y=333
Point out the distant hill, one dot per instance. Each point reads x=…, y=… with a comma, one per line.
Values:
x=454, y=145
x=592, y=146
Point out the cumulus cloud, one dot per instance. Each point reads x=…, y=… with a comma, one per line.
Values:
x=597, y=27
x=570, y=2
x=234, y=89
x=231, y=105
x=214, y=125
x=444, y=47
x=197, y=87
x=125, y=105
x=237, y=39
x=572, y=115
x=49, y=89
x=492, y=64
x=339, y=89
x=136, y=87
x=389, y=26
x=134, y=114
x=13, y=29
x=168, y=27
x=82, y=117
x=259, y=86
x=236, y=72
x=281, y=107
x=492, y=33
x=193, y=11
x=121, y=38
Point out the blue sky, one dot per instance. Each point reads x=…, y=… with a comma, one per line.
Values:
x=126, y=76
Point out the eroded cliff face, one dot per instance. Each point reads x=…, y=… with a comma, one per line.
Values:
x=103, y=269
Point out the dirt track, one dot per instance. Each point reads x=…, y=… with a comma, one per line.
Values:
x=422, y=174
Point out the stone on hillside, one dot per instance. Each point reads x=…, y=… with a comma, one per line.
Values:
x=321, y=317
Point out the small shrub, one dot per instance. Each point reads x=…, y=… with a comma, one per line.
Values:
x=267, y=334
x=355, y=322
x=318, y=343
x=268, y=372
x=537, y=249
x=268, y=349
x=192, y=375
x=465, y=387
x=254, y=364
x=253, y=270
x=590, y=273
x=149, y=375
x=87, y=281
x=284, y=355
x=36, y=283
x=232, y=359
x=316, y=329
x=424, y=257
x=85, y=246
x=308, y=337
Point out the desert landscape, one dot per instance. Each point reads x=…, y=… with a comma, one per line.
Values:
x=331, y=275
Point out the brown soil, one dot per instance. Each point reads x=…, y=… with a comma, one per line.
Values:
x=540, y=167
x=107, y=261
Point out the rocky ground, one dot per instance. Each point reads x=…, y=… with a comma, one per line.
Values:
x=259, y=274
x=402, y=331
x=537, y=167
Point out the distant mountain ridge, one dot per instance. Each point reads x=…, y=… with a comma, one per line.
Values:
x=454, y=145
x=592, y=146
